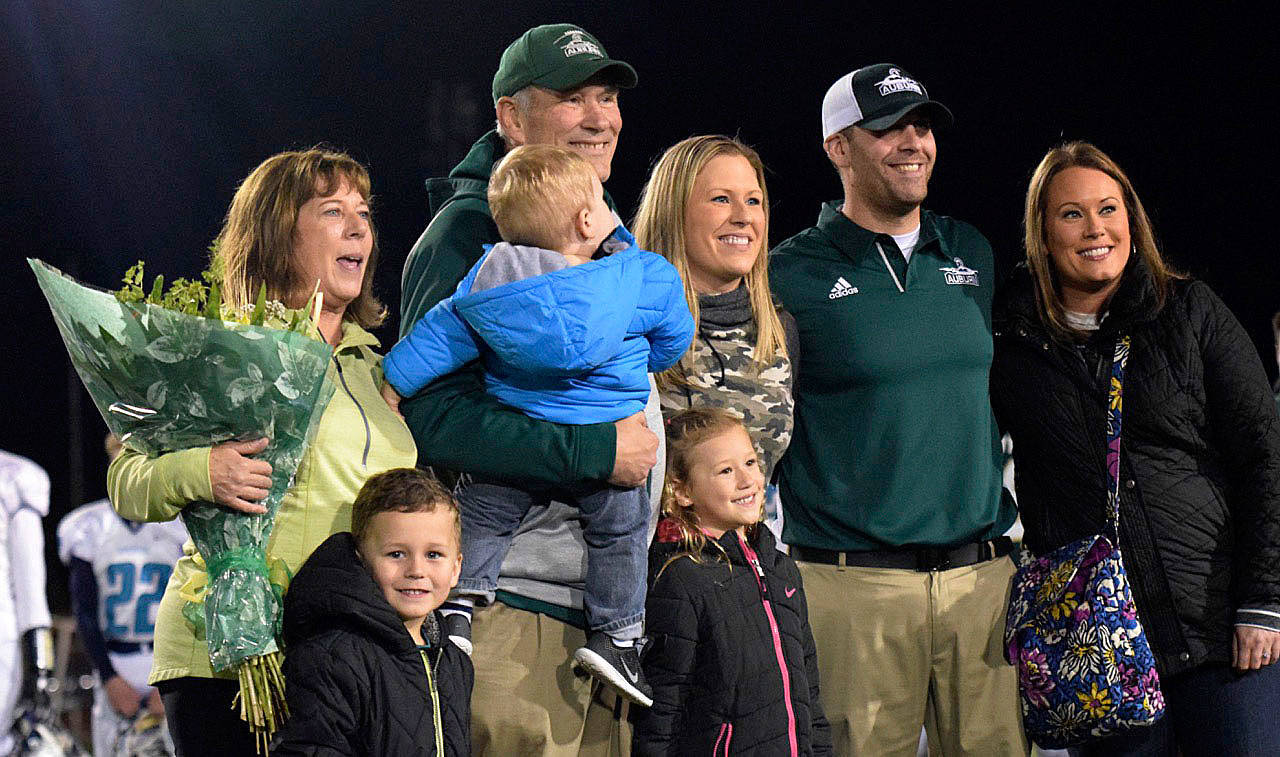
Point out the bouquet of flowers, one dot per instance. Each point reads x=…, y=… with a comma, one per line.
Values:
x=179, y=369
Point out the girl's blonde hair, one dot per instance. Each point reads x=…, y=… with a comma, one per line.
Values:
x=1142, y=238
x=659, y=226
x=256, y=241
x=685, y=431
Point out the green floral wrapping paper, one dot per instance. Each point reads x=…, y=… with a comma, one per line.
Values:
x=166, y=381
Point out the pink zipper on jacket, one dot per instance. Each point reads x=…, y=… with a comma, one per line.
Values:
x=725, y=736
x=754, y=559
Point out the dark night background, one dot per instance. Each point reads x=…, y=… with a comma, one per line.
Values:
x=127, y=127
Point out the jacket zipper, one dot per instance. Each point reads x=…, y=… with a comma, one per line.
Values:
x=1075, y=366
x=1094, y=380
x=777, y=643
x=725, y=736
x=368, y=437
x=435, y=702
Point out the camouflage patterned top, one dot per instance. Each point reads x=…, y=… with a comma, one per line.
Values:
x=723, y=374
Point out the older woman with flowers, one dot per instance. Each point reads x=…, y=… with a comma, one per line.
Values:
x=706, y=209
x=300, y=221
x=1199, y=449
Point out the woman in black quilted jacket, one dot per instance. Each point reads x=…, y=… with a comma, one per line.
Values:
x=1200, y=449
x=730, y=656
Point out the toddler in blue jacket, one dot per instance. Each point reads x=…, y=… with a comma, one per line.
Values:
x=568, y=316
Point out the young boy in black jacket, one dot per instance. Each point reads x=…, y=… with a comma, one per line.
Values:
x=367, y=671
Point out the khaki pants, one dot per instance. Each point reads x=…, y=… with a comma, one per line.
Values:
x=526, y=699
x=900, y=648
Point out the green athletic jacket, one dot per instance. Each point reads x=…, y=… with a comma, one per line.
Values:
x=456, y=424
x=895, y=443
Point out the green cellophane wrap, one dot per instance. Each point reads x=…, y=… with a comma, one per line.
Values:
x=166, y=381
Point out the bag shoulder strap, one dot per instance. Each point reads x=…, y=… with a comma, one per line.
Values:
x=1115, y=413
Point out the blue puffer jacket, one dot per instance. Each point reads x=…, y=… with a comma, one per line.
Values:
x=566, y=344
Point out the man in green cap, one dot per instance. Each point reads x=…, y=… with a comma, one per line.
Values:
x=555, y=84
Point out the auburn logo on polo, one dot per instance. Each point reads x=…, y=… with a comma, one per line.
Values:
x=961, y=274
x=896, y=82
x=577, y=45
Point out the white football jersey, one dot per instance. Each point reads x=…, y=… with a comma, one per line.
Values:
x=131, y=563
x=24, y=500
x=22, y=484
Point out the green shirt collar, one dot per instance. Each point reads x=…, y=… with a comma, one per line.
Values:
x=481, y=158
x=353, y=336
x=855, y=241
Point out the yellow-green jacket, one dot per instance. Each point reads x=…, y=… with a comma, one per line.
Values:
x=358, y=437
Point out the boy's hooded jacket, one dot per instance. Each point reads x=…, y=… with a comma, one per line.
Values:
x=568, y=344
x=356, y=682
x=731, y=657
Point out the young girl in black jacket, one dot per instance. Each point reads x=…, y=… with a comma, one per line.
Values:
x=731, y=658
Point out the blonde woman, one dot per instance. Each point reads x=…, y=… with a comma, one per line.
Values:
x=706, y=209
x=299, y=218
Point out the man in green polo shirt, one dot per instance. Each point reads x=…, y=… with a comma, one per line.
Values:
x=891, y=484
x=555, y=84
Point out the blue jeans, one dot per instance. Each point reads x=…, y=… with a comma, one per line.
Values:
x=615, y=526
x=1210, y=710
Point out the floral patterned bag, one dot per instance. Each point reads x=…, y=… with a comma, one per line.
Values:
x=1085, y=669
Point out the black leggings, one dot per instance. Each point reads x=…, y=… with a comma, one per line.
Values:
x=201, y=720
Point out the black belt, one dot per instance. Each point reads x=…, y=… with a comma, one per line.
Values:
x=923, y=559
x=128, y=647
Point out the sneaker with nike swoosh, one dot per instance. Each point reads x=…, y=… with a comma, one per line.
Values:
x=618, y=667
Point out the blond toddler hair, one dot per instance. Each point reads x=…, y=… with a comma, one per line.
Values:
x=535, y=192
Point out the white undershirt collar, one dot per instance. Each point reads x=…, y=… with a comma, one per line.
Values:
x=907, y=242
x=1082, y=321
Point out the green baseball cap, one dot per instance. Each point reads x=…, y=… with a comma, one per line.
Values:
x=559, y=57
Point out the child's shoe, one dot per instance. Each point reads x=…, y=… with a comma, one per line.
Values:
x=617, y=666
x=457, y=626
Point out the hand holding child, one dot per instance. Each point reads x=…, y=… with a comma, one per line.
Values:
x=637, y=451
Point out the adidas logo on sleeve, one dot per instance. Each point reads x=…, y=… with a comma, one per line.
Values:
x=842, y=288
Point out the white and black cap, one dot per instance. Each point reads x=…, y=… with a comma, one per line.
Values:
x=877, y=97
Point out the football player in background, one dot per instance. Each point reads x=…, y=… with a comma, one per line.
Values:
x=24, y=610
x=119, y=570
